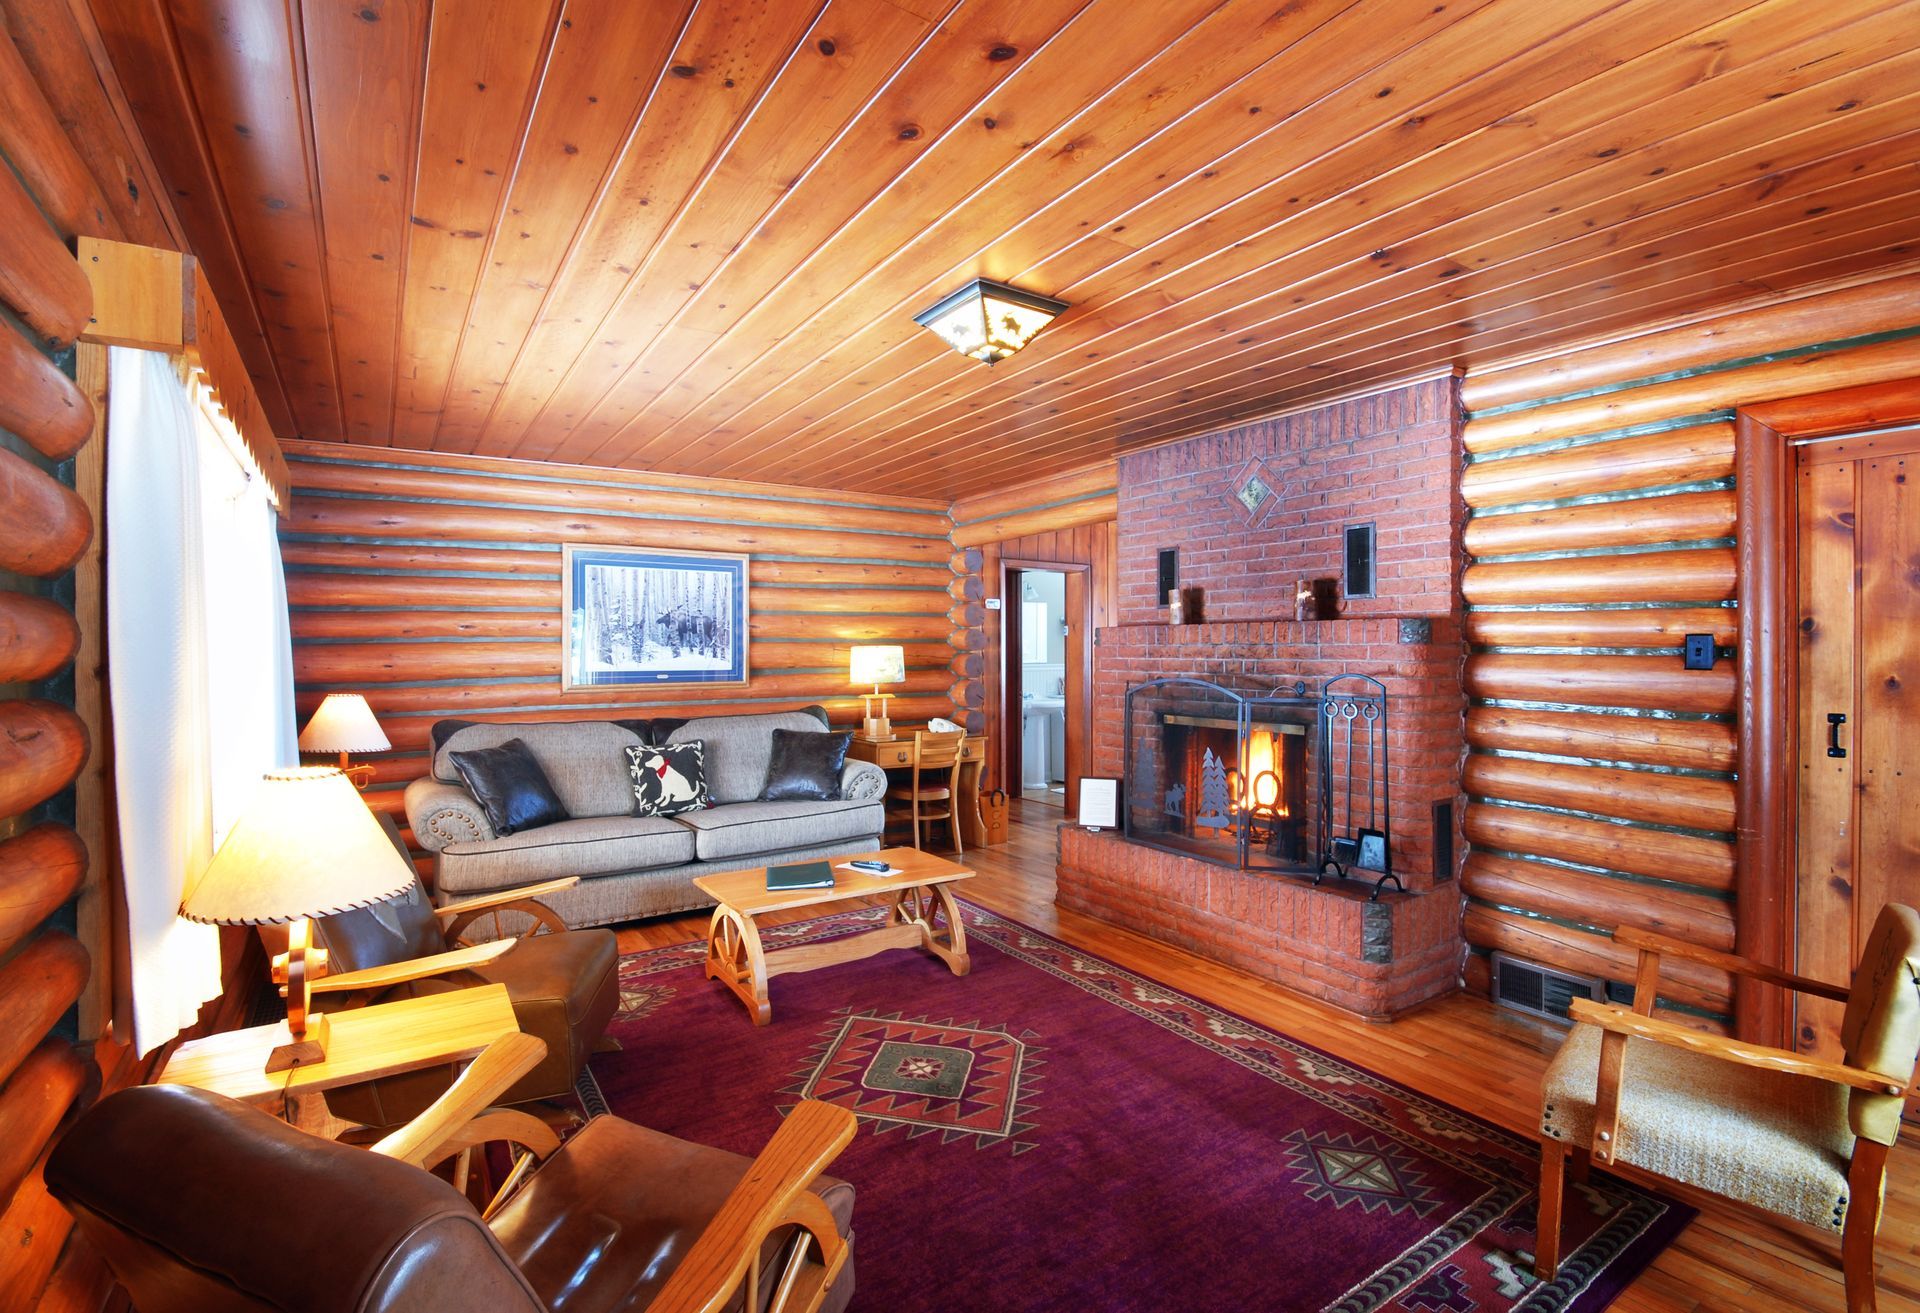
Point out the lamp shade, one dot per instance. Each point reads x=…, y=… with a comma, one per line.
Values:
x=305, y=846
x=987, y=320
x=878, y=665
x=343, y=722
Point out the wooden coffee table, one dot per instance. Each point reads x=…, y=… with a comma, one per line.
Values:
x=921, y=902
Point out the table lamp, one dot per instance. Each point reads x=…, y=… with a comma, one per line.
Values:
x=877, y=666
x=344, y=723
x=306, y=846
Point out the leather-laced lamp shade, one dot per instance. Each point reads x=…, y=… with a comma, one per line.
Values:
x=344, y=723
x=306, y=846
x=877, y=665
x=989, y=321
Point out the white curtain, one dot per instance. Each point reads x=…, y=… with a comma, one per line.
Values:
x=196, y=638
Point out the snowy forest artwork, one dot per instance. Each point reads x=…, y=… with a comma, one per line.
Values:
x=645, y=617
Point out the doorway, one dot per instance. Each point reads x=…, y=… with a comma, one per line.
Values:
x=1043, y=656
x=1857, y=832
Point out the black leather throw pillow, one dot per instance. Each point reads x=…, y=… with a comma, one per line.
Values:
x=805, y=766
x=509, y=783
x=669, y=778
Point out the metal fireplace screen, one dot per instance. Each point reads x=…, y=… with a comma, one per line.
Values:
x=1281, y=781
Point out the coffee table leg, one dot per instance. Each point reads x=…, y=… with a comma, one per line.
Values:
x=925, y=907
x=736, y=960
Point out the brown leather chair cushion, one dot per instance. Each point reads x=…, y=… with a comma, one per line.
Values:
x=564, y=988
x=204, y=1205
x=605, y=1221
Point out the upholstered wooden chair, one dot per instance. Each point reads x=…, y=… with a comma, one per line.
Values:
x=255, y=1216
x=933, y=782
x=1790, y=1134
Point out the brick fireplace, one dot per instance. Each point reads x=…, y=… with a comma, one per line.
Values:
x=1389, y=460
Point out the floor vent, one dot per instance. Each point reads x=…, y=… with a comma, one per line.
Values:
x=1529, y=987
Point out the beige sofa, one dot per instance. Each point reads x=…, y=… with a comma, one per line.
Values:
x=634, y=866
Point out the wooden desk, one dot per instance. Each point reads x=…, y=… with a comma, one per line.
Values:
x=920, y=902
x=895, y=753
x=383, y=1039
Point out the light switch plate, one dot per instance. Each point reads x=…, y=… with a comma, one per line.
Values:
x=1699, y=653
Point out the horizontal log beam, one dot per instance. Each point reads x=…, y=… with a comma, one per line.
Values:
x=357, y=663
x=1663, y=627
x=476, y=699
x=40, y=869
x=1593, y=955
x=1045, y=519
x=1697, y=804
x=1693, y=744
x=1599, y=899
x=43, y=745
x=38, y=401
x=1650, y=683
x=38, y=146
x=37, y=986
x=1703, y=451
x=37, y=637
x=39, y=279
x=1872, y=308
x=1641, y=521
x=509, y=562
x=1682, y=858
x=1092, y=479
x=44, y=527
x=1691, y=575
x=51, y=1080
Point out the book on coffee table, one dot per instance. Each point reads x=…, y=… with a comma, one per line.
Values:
x=799, y=875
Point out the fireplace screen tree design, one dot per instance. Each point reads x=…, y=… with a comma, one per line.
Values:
x=1291, y=782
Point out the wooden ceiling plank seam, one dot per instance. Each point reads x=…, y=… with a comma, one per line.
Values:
x=1172, y=273
x=463, y=434
x=1071, y=127
x=234, y=102
x=631, y=289
x=1233, y=88
x=403, y=243
x=1109, y=355
x=1363, y=75
x=1368, y=293
x=1091, y=98
x=1242, y=372
x=415, y=428
x=219, y=252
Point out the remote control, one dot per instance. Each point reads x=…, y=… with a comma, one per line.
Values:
x=868, y=866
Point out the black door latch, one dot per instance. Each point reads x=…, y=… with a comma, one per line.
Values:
x=1835, y=720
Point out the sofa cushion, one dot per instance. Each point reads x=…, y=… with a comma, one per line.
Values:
x=764, y=827
x=509, y=783
x=597, y=845
x=669, y=778
x=739, y=748
x=806, y=767
x=586, y=760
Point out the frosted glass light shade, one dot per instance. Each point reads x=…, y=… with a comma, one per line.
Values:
x=343, y=722
x=878, y=665
x=306, y=845
x=989, y=321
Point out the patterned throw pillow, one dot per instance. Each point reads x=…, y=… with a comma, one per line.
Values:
x=669, y=779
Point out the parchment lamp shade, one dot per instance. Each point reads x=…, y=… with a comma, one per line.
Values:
x=988, y=321
x=883, y=664
x=344, y=723
x=305, y=846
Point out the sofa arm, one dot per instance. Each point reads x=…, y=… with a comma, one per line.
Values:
x=862, y=781
x=444, y=813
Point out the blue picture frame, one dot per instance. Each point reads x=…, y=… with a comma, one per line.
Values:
x=640, y=616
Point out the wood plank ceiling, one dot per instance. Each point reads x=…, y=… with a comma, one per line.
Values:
x=689, y=235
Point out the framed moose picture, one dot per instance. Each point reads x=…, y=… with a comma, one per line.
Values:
x=636, y=615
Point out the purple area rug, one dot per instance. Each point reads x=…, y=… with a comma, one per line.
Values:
x=1054, y=1132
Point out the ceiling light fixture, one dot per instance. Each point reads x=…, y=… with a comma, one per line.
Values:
x=987, y=320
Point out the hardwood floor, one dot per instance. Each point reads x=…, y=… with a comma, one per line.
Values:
x=1463, y=1050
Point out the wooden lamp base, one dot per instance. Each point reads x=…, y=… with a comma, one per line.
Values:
x=875, y=727
x=302, y=1050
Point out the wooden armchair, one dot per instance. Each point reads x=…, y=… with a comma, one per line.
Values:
x=1795, y=1135
x=929, y=800
x=617, y=1218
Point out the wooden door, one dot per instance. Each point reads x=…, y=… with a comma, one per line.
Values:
x=1858, y=828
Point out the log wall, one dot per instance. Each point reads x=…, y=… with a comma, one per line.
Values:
x=67, y=172
x=431, y=584
x=1600, y=774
